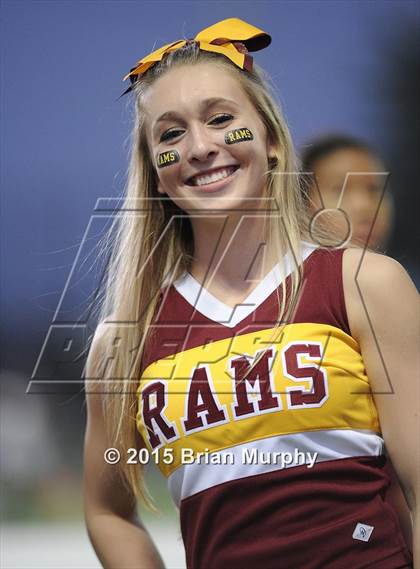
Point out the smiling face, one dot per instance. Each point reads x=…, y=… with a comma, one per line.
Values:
x=189, y=111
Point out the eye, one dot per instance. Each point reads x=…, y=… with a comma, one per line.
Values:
x=221, y=118
x=169, y=134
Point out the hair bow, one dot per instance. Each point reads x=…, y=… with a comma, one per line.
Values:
x=226, y=37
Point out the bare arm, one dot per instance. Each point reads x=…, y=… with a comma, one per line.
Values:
x=397, y=499
x=385, y=322
x=117, y=535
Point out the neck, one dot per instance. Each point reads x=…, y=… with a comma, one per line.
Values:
x=231, y=251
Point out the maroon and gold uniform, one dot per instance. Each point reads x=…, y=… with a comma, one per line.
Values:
x=281, y=467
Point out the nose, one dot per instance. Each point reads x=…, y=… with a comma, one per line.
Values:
x=201, y=144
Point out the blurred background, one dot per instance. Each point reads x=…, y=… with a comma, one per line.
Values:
x=338, y=66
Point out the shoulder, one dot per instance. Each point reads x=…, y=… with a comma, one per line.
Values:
x=370, y=266
x=374, y=273
x=375, y=286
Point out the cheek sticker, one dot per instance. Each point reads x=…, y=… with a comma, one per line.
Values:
x=238, y=135
x=167, y=158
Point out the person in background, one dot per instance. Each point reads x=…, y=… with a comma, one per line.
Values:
x=348, y=174
x=330, y=163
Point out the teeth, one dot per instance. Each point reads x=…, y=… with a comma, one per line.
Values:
x=214, y=177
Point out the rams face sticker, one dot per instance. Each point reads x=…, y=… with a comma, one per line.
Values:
x=167, y=158
x=238, y=135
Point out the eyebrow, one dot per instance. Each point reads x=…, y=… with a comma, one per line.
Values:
x=206, y=103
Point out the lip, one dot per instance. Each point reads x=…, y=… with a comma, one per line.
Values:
x=211, y=171
x=216, y=186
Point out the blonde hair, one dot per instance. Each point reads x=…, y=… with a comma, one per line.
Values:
x=145, y=248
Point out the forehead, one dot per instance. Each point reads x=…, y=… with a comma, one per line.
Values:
x=184, y=89
x=339, y=163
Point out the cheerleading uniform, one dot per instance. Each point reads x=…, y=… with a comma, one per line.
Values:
x=292, y=472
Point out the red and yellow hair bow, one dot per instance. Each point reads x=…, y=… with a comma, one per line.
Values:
x=227, y=37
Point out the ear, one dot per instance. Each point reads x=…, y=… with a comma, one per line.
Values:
x=272, y=158
x=271, y=149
